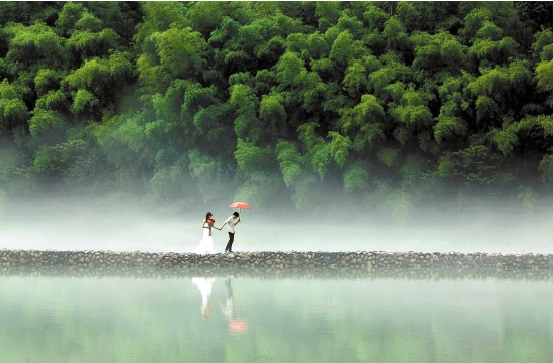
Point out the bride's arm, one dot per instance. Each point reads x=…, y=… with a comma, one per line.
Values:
x=222, y=225
x=203, y=224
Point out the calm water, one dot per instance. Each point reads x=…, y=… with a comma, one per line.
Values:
x=274, y=320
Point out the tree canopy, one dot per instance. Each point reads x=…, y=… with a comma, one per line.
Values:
x=308, y=103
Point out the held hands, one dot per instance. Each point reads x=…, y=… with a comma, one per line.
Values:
x=220, y=228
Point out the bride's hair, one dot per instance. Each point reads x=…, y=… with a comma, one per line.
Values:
x=207, y=215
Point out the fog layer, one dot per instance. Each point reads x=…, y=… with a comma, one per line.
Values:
x=93, y=225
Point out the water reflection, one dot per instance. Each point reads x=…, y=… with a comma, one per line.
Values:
x=163, y=273
x=236, y=325
x=381, y=320
x=204, y=285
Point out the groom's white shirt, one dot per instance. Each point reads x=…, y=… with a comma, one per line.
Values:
x=230, y=223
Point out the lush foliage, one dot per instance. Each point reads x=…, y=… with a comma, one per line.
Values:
x=386, y=103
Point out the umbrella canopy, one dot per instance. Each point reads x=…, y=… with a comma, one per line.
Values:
x=240, y=205
x=238, y=326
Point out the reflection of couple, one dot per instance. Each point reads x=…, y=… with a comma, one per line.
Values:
x=228, y=308
x=206, y=243
x=236, y=325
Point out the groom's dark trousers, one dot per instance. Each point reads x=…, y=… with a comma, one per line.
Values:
x=230, y=241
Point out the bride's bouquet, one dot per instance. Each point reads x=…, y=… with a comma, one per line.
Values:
x=210, y=223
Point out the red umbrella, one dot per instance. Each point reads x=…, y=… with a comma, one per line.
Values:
x=240, y=205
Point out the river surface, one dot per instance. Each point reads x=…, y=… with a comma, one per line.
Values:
x=237, y=319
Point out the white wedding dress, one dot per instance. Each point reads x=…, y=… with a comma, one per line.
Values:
x=206, y=244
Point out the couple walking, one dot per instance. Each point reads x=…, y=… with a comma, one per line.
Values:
x=206, y=244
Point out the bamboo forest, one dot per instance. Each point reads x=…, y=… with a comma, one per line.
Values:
x=386, y=105
x=386, y=167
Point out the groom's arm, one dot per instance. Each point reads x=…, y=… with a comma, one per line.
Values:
x=222, y=225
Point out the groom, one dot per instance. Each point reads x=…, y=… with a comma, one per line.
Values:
x=231, y=221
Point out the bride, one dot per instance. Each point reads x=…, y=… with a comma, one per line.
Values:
x=206, y=244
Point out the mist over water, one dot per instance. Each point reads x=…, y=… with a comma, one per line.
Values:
x=63, y=224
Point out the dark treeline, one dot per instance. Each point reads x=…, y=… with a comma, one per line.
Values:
x=384, y=104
